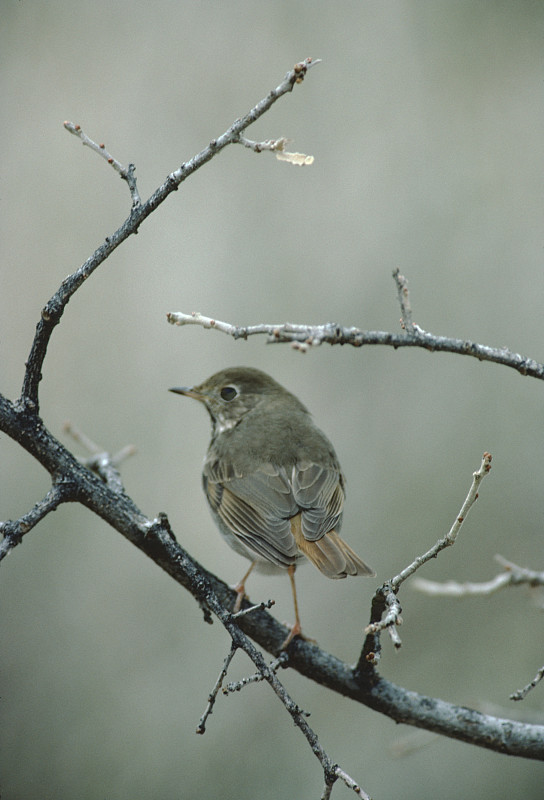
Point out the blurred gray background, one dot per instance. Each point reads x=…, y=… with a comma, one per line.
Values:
x=426, y=122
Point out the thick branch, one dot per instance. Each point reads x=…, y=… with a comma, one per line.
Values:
x=154, y=538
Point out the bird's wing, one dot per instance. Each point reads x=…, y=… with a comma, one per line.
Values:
x=255, y=507
x=319, y=493
x=278, y=515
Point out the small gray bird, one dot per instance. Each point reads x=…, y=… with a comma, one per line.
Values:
x=272, y=479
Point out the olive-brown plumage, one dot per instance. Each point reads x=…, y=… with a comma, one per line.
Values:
x=272, y=478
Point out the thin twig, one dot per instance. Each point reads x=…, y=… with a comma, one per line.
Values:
x=81, y=438
x=449, y=539
x=201, y=727
x=520, y=574
x=404, y=301
x=237, y=686
x=514, y=575
x=14, y=530
x=350, y=783
x=522, y=693
x=259, y=147
x=386, y=610
x=274, y=331
x=257, y=607
x=457, y=589
x=391, y=618
x=337, y=774
x=277, y=146
x=101, y=461
x=127, y=174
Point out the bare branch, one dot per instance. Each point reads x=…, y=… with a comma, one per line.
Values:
x=302, y=337
x=521, y=575
x=362, y=684
x=54, y=308
x=14, y=530
x=257, y=607
x=514, y=575
x=456, y=589
x=241, y=641
x=522, y=693
x=101, y=461
x=126, y=174
x=237, y=686
x=451, y=536
x=259, y=147
x=201, y=727
x=350, y=783
x=386, y=610
x=391, y=618
x=278, y=146
x=273, y=331
x=404, y=301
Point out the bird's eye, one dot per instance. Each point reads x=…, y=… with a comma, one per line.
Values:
x=228, y=393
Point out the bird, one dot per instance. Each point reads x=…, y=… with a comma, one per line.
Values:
x=272, y=480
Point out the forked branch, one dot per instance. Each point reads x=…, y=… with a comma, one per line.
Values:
x=54, y=308
x=303, y=337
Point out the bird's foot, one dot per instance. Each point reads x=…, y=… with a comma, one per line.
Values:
x=295, y=630
x=240, y=590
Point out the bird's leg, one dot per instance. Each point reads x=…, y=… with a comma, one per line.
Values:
x=240, y=588
x=296, y=630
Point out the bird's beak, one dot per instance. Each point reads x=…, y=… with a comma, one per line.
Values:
x=188, y=391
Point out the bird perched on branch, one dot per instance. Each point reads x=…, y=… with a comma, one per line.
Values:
x=272, y=479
